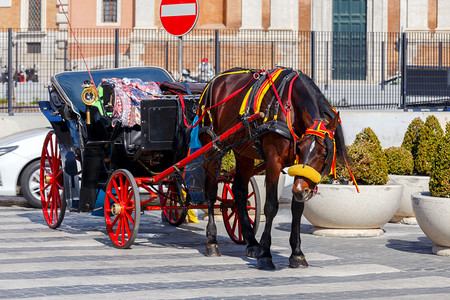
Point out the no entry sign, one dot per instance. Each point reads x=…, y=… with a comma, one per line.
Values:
x=178, y=17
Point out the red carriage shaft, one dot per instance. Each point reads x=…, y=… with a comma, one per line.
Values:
x=197, y=153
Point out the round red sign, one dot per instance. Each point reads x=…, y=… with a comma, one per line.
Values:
x=178, y=17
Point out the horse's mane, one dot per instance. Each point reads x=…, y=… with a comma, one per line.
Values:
x=326, y=111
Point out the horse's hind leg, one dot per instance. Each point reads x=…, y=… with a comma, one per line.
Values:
x=244, y=170
x=297, y=258
x=212, y=248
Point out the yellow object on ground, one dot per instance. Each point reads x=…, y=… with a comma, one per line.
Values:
x=192, y=218
x=305, y=171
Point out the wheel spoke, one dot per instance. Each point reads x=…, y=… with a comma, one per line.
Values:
x=127, y=226
x=116, y=188
x=235, y=222
x=118, y=228
x=120, y=192
x=229, y=216
x=228, y=188
x=130, y=218
x=111, y=197
x=122, y=231
x=113, y=223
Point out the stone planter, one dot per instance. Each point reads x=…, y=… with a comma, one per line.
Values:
x=433, y=217
x=411, y=184
x=339, y=211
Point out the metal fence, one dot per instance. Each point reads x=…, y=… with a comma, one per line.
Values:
x=356, y=70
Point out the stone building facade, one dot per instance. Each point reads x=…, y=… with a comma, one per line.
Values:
x=44, y=33
x=302, y=15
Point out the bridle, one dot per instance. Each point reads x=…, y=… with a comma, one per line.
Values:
x=318, y=129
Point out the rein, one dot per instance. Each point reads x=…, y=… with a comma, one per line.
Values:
x=318, y=129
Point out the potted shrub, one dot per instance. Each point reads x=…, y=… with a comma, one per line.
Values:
x=411, y=138
x=429, y=137
x=432, y=208
x=400, y=170
x=339, y=210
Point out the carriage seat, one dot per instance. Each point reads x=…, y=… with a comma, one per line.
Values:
x=184, y=88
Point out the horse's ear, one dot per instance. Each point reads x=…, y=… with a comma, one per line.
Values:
x=307, y=119
x=332, y=125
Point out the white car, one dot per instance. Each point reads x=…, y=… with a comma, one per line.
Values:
x=20, y=155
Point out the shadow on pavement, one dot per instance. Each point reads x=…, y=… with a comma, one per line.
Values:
x=423, y=245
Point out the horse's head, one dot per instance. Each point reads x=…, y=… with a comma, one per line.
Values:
x=316, y=151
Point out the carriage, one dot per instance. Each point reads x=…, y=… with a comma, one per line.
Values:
x=123, y=145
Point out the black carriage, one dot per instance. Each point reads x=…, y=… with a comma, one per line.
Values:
x=133, y=153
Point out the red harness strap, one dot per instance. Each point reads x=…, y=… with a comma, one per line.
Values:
x=208, y=108
x=319, y=129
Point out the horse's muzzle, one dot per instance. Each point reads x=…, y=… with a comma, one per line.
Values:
x=301, y=196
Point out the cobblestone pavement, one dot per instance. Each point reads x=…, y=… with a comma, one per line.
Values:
x=77, y=261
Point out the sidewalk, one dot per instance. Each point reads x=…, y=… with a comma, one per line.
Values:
x=77, y=261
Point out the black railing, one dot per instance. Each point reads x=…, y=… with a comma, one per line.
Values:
x=356, y=70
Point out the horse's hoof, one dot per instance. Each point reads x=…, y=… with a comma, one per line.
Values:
x=265, y=263
x=298, y=262
x=253, y=251
x=212, y=250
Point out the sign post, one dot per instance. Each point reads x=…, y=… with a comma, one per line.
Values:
x=178, y=17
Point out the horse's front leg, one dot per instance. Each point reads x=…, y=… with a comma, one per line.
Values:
x=297, y=258
x=270, y=211
x=273, y=169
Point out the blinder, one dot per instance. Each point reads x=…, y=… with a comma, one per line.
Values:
x=326, y=139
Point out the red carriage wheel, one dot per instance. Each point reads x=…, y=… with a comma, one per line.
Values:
x=51, y=182
x=172, y=202
x=229, y=210
x=122, y=208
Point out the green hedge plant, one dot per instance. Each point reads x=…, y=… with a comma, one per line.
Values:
x=399, y=161
x=440, y=170
x=369, y=161
x=429, y=137
x=228, y=163
x=411, y=137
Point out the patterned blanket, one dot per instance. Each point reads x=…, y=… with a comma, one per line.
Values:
x=128, y=95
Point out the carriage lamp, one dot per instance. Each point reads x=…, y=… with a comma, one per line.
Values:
x=89, y=96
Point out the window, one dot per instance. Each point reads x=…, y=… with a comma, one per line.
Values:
x=34, y=47
x=109, y=11
x=5, y=3
x=34, y=15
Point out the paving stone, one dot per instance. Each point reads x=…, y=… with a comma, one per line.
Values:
x=78, y=261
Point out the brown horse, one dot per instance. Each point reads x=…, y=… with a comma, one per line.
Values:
x=292, y=106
